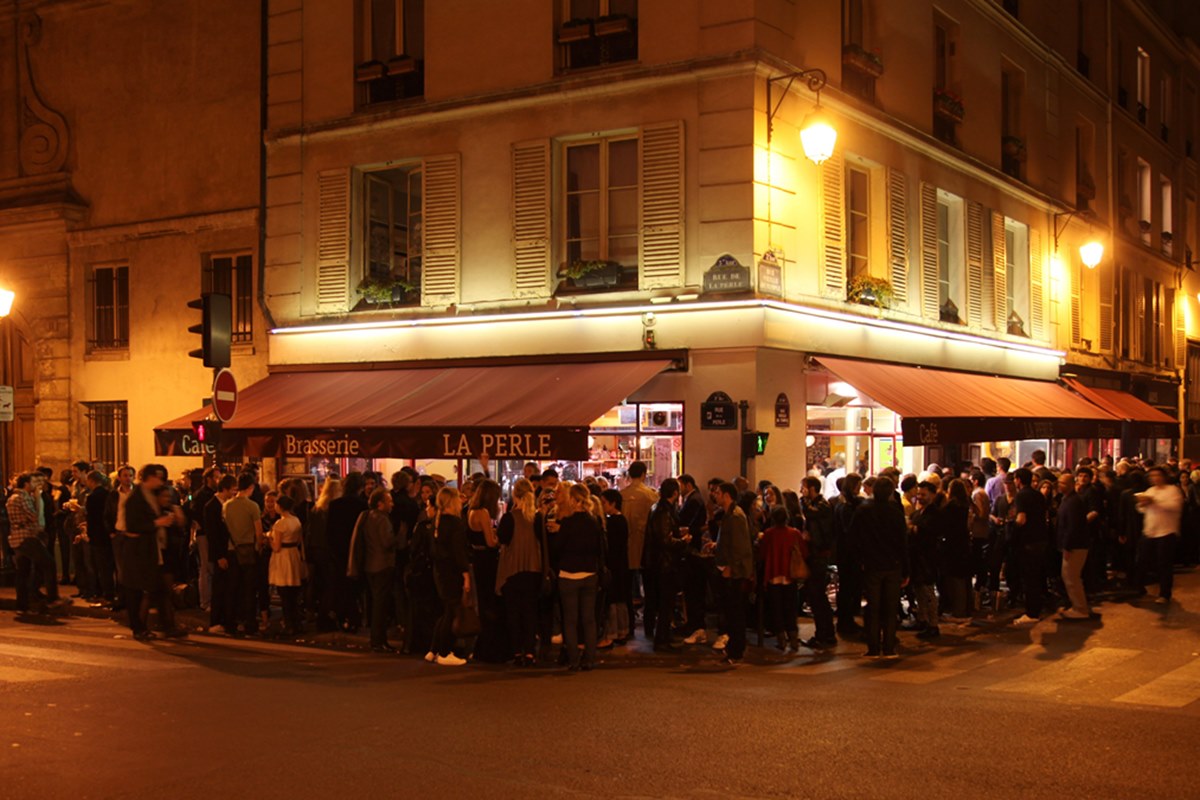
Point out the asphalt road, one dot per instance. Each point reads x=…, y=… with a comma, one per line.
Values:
x=1063, y=710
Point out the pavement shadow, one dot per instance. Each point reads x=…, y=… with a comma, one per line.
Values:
x=228, y=658
x=39, y=620
x=1068, y=637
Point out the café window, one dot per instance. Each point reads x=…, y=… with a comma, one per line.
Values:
x=108, y=301
x=108, y=433
x=596, y=33
x=230, y=274
x=600, y=223
x=392, y=36
x=392, y=227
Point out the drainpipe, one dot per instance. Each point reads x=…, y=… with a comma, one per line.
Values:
x=262, y=167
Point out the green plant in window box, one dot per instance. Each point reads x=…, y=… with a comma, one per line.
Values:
x=870, y=291
x=378, y=291
x=591, y=274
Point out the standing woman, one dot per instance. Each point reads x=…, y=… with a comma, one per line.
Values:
x=485, y=559
x=319, y=555
x=451, y=564
x=580, y=548
x=955, y=549
x=263, y=567
x=286, y=546
x=519, y=573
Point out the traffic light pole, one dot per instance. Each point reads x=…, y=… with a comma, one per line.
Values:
x=744, y=412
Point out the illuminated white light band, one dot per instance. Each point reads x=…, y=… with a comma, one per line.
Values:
x=637, y=311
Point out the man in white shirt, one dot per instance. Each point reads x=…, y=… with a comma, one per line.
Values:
x=839, y=471
x=1161, y=506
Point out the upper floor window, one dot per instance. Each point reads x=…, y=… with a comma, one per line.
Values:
x=950, y=258
x=108, y=301
x=230, y=274
x=600, y=219
x=391, y=66
x=1166, y=198
x=861, y=64
x=108, y=428
x=1012, y=143
x=947, y=105
x=1143, y=84
x=1083, y=63
x=1016, y=258
x=1085, y=183
x=391, y=237
x=1144, y=200
x=595, y=33
x=858, y=222
x=1164, y=106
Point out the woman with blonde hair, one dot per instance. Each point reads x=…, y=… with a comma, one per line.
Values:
x=580, y=546
x=320, y=597
x=451, y=566
x=520, y=572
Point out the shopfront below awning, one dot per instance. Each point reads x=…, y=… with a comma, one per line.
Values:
x=1146, y=421
x=944, y=407
x=524, y=411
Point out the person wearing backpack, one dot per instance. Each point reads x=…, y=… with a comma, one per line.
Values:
x=780, y=545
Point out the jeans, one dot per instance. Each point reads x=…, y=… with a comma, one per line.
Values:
x=883, y=598
x=579, y=609
x=1157, y=554
x=650, y=601
x=696, y=591
x=1072, y=575
x=242, y=606
x=33, y=558
x=733, y=602
x=381, y=603
x=783, y=601
x=220, y=611
x=521, y=607
x=849, y=594
x=816, y=593
x=451, y=592
x=667, y=586
x=205, y=578
x=290, y=597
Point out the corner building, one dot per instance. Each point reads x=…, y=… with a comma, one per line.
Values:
x=574, y=222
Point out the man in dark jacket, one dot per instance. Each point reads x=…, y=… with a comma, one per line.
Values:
x=195, y=514
x=99, y=540
x=222, y=601
x=343, y=514
x=879, y=532
x=693, y=517
x=927, y=532
x=849, y=595
x=818, y=526
x=1074, y=541
x=735, y=559
x=665, y=548
x=143, y=517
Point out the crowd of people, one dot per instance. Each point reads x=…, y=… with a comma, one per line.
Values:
x=551, y=571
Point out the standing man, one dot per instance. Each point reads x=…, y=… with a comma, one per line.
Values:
x=880, y=531
x=1161, y=507
x=195, y=513
x=693, y=517
x=243, y=518
x=1031, y=537
x=818, y=527
x=665, y=548
x=849, y=564
x=99, y=541
x=1074, y=541
x=995, y=484
x=636, y=501
x=28, y=549
x=140, y=574
x=219, y=556
x=837, y=473
x=735, y=560
x=1094, y=497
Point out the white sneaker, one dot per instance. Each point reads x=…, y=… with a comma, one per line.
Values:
x=1162, y=601
x=430, y=656
x=697, y=637
x=1025, y=619
x=451, y=661
x=721, y=642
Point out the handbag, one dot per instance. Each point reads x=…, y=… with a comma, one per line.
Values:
x=466, y=621
x=799, y=564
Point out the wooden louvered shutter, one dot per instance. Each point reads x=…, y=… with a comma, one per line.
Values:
x=974, y=264
x=660, y=245
x=1037, y=288
x=898, y=235
x=930, y=308
x=1077, y=306
x=442, y=209
x=1000, y=271
x=333, y=241
x=833, y=226
x=1177, y=302
x=531, y=218
x=1137, y=296
x=1107, y=323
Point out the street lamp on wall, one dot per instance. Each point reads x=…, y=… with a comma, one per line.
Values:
x=817, y=135
x=1091, y=252
x=7, y=296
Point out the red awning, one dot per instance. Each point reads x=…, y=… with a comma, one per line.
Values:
x=402, y=409
x=944, y=407
x=1148, y=421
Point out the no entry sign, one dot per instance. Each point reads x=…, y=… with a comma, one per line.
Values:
x=225, y=392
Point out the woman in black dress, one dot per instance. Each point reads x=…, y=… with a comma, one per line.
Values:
x=451, y=568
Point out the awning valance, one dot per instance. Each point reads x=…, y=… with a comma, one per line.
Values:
x=534, y=411
x=944, y=407
x=1147, y=421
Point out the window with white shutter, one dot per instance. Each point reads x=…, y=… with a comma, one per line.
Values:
x=1104, y=278
x=441, y=232
x=898, y=235
x=833, y=227
x=1037, y=285
x=1000, y=271
x=1076, y=305
x=531, y=218
x=661, y=252
x=1181, y=343
x=929, y=251
x=975, y=264
x=1018, y=286
x=333, y=241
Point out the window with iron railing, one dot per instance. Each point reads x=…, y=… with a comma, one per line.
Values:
x=231, y=275
x=108, y=307
x=108, y=433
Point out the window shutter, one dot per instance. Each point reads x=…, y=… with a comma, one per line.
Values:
x=898, y=235
x=1138, y=296
x=974, y=264
x=1000, y=271
x=1037, y=296
x=929, y=252
x=1077, y=307
x=333, y=241
x=1107, y=324
x=661, y=241
x=440, y=254
x=531, y=218
x=833, y=229
x=1177, y=301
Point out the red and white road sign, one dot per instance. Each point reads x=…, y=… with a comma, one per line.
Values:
x=225, y=394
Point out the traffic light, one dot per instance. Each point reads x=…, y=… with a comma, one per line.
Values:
x=215, y=329
x=207, y=431
x=754, y=443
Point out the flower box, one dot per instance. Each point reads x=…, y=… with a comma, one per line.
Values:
x=1013, y=147
x=592, y=274
x=369, y=71
x=1085, y=187
x=613, y=25
x=948, y=105
x=1144, y=226
x=401, y=65
x=861, y=60
x=387, y=291
x=869, y=291
x=575, y=30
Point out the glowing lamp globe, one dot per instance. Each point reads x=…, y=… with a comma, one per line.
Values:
x=6, y=301
x=818, y=137
x=1091, y=253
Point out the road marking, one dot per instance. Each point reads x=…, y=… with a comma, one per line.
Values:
x=820, y=666
x=90, y=659
x=19, y=675
x=78, y=638
x=923, y=672
x=1057, y=676
x=1174, y=689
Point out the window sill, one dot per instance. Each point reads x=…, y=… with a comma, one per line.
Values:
x=106, y=354
x=242, y=349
